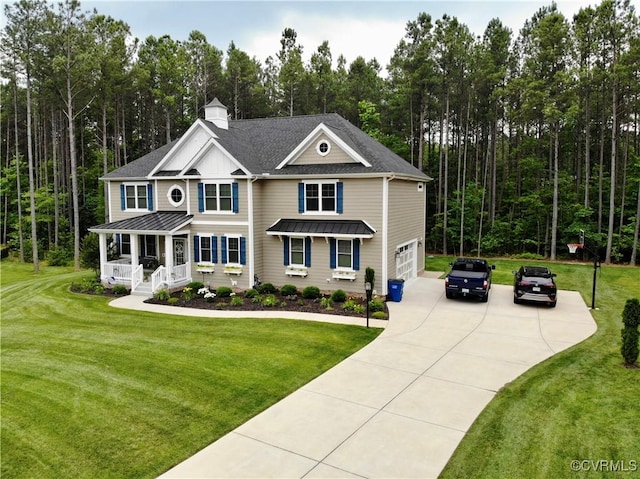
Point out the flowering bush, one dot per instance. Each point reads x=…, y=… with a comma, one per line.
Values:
x=187, y=294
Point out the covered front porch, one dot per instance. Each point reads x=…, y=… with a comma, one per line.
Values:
x=146, y=253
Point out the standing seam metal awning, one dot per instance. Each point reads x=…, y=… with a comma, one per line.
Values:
x=323, y=228
x=160, y=222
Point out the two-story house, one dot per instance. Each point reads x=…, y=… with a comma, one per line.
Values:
x=307, y=200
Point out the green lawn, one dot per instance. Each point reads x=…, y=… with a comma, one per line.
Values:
x=90, y=391
x=581, y=404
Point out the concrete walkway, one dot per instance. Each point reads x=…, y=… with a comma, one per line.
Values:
x=399, y=407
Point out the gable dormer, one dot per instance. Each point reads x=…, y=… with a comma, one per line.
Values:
x=322, y=147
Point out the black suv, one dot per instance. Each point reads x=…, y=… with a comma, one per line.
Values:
x=534, y=283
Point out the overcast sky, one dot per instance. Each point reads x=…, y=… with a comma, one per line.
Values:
x=367, y=28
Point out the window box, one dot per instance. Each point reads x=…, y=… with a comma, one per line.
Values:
x=296, y=271
x=345, y=274
x=205, y=268
x=233, y=269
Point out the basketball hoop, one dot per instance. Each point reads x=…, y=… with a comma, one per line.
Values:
x=573, y=247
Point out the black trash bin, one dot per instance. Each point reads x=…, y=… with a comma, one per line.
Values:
x=395, y=287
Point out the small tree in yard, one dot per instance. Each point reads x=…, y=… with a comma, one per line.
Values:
x=631, y=320
x=90, y=253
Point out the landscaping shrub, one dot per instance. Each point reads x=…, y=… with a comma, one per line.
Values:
x=631, y=320
x=90, y=252
x=267, y=288
x=353, y=305
x=188, y=293
x=173, y=300
x=250, y=293
x=119, y=289
x=326, y=303
x=376, y=305
x=196, y=285
x=311, y=292
x=288, y=290
x=379, y=315
x=224, y=291
x=58, y=256
x=339, y=296
x=370, y=277
x=237, y=301
x=162, y=295
x=269, y=301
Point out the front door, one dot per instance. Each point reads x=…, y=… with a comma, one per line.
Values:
x=179, y=251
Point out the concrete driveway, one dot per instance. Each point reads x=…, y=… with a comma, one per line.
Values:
x=399, y=407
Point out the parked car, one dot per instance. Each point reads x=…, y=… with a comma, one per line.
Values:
x=535, y=284
x=469, y=277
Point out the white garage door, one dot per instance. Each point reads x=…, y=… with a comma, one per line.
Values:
x=406, y=260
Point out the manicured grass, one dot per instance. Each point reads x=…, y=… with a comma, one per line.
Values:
x=581, y=404
x=91, y=391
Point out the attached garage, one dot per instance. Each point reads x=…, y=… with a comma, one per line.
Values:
x=407, y=260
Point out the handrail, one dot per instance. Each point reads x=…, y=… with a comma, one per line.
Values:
x=136, y=277
x=158, y=277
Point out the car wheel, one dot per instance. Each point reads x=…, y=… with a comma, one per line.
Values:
x=448, y=295
x=552, y=305
x=485, y=298
x=516, y=300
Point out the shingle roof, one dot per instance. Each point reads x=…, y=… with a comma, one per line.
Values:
x=158, y=222
x=260, y=145
x=351, y=228
x=141, y=167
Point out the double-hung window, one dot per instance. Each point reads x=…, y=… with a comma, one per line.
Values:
x=124, y=243
x=320, y=197
x=234, y=250
x=136, y=196
x=218, y=197
x=205, y=249
x=344, y=254
x=296, y=251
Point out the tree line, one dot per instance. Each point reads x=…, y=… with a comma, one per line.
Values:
x=530, y=137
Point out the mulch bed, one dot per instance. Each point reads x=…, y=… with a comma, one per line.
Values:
x=290, y=303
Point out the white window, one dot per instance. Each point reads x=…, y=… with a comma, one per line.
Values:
x=296, y=251
x=217, y=197
x=344, y=253
x=323, y=147
x=320, y=197
x=205, y=249
x=135, y=197
x=175, y=195
x=233, y=250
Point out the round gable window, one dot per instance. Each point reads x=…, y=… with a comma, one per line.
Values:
x=176, y=195
x=323, y=147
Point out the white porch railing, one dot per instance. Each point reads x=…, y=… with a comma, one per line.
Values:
x=137, y=277
x=180, y=273
x=159, y=277
x=117, y=271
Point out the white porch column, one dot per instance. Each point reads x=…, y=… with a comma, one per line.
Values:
x=102, y=241
x=134, y=251
x=168, y=252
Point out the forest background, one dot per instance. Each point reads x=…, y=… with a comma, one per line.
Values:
x=529, y=136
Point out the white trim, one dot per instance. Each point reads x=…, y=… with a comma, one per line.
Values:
x=321, y=142
x=320, y=184
x=137, y=209
x=313, y=136
x=220, y=223
x=385, y=233
x=218, y=183
x=176, y=187
x=250, y=232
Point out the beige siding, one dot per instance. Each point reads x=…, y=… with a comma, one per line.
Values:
x=406, y=219
x=311, y=156
x=362, y=201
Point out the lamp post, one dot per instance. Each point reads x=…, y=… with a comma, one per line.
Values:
x=367, y=289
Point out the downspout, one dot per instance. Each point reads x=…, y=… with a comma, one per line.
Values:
x=385, y=232
x=252, y=242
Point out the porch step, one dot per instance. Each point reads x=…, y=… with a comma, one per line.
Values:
x=144, y=289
